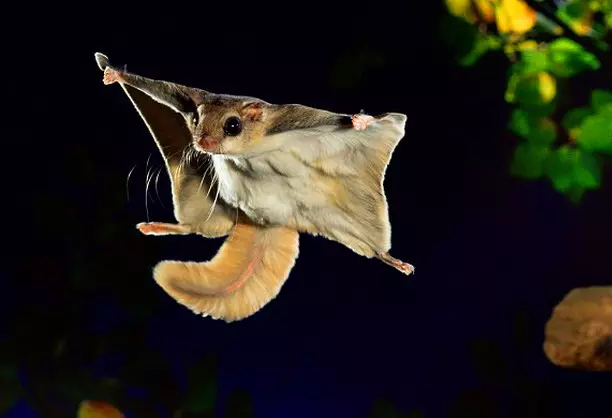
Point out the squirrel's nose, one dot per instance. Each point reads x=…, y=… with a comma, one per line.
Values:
x=207, y=142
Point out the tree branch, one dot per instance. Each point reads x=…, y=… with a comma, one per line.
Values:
x=586, y=42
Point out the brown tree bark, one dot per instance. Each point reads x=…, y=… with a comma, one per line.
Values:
x=579, y=331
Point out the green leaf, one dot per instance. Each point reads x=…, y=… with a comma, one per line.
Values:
x=531, y=85
x=481, y=46
x=573, y=10
x=568, y=58
x=596, y=133
x=572, y=169
x=540, y=110
x=519, y=122
x=458, y=34
x=606, y=111
x=529, y=160
x=535, y=89
x=536, y=129
x=560, y=169
x=533, y=61
x=543, y=131
x=510, y=95
x=578, y=15
x=600, y=98
x=464, y=40
x=587, y=171
x=573, y=118
x=609, y=20
x=598, y=32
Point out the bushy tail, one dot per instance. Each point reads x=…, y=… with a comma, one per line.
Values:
x=247, y=273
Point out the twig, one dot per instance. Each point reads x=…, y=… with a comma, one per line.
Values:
x=567, y=31
x=586, y=42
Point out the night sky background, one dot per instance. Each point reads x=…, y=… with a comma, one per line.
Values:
x=347, y=336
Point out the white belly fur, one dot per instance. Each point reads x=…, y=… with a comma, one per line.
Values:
x=330, y=186
x=267, y=187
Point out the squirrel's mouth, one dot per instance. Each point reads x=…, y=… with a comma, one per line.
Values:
x=208, y=144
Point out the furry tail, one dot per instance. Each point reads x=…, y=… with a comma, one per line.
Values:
x=247, y=273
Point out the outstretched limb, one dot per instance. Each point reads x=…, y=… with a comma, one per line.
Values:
x=173, y=95
x=402, y=266
x=160, y=228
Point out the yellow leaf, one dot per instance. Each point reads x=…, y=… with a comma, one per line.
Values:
x=486, y=10
x=548, y=87
x=98, y=409
x=472, y=10
x=528, y=45
x=582, y=27
x=459, y=8
x=514, y=17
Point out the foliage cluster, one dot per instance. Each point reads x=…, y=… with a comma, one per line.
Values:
x=550, y=48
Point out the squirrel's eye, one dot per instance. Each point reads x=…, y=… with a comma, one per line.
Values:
x=232, y=126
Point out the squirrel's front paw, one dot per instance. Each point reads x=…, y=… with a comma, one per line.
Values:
x=111, y=76
x=361, y=121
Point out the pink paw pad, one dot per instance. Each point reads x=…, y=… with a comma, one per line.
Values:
x=361, y=122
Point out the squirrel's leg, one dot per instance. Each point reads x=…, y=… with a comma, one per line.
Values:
x=160, y=228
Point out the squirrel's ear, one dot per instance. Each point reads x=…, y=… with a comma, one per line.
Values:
x=253, y=111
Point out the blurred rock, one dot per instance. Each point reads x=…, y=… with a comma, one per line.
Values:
x=98, y=409
x=579, y=331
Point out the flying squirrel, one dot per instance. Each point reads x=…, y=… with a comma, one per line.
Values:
x=260, y=173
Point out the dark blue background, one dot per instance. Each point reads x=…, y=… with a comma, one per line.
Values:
x=492, y=255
